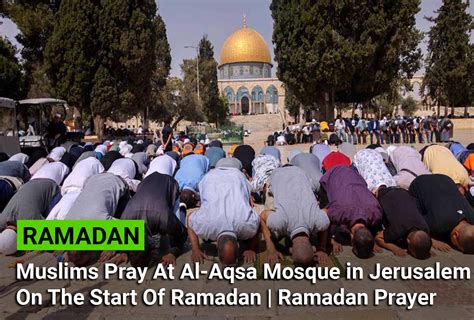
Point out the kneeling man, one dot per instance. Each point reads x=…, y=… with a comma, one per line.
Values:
x=295, y=214
x=447, y=213
x=403, y=224
x=226, y=216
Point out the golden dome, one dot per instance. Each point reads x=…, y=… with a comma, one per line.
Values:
x=245, y=45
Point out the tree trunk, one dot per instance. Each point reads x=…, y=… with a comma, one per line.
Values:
x=145, y=120
x=452, y=110
x=438, y=108
x=465, y=112
x=445, y=110
x=176, y=122
x=99, y=127
x=354, y=105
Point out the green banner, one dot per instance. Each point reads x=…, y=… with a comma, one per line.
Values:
x=92, y=235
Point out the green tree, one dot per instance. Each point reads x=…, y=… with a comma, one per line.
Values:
x=101, y=56
x=292, y=104
x=160, y=75
x=450, y=62
x=409, y=106
x=11, y=79
x=35, y=21
x=346, y=51
x=71, y=54
x=177, y=100
x=212, y=106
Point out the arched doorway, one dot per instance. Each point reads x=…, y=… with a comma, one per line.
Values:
x=245, y=105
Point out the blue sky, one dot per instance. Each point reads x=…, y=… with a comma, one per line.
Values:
x=188, y=20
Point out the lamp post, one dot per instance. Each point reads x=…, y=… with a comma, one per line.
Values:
x=197, y=69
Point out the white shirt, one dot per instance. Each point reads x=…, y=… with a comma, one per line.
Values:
x=281, y=138
x=57, y=153
x=163, y=164
x=60, y=210
x=83, y=170
x=339, y=124
x=55, y=171
x=125, y=168
x=225, y=206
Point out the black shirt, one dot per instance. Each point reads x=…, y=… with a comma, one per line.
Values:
x=441, y=203
x=401, y=214
x=154, y=202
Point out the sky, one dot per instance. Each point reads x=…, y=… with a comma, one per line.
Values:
x=188, y=20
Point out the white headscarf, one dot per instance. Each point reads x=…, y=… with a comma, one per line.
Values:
x=101, y=149
x=124, y=149
x=57, y=153
x=126, y=169
x=20, y=157
x=55, y=171
x=83, y=170
x=163, y=164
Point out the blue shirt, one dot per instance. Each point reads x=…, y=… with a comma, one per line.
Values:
x=192, y=168
x=214, y=154
x=271, y=151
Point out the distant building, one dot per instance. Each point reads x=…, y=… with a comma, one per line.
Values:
x=245, y=75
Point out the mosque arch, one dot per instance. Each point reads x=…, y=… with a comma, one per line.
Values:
x=243, y=99
x=272, y=94
x=229, y=94
x=242, y=92
x=257, y=93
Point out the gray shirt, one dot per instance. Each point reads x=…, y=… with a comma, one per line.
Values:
x=311, y=165
x=30, y=202
x=14, y=169
x=225, y=206
x=99, y=198
x=296, y=208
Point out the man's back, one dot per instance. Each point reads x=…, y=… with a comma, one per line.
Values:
x=441, y=203
x=225, y=206
x=191, y=170
x=154, y=200
x=99, y=198
x=296, y=208
x=349, y=198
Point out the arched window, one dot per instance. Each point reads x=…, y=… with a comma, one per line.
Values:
x=229, y=94
x=257, y=94
x=272, y=95
x=243, y=91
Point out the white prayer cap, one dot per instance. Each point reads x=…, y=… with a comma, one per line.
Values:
x=186, y=141
x=8, y=241
x=140, y=141
x=122, y=143
x=57, y=153
x=128, y=155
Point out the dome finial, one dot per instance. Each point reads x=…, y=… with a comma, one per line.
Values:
x=245, y=20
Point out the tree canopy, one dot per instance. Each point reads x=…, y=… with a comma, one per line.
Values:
x=101, y=57
x=212, y=106
x=35, y=20
x=347, y=51
x=449, y=71
x=11, y=78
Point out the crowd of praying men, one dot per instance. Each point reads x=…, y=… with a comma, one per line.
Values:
x=191, y=194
